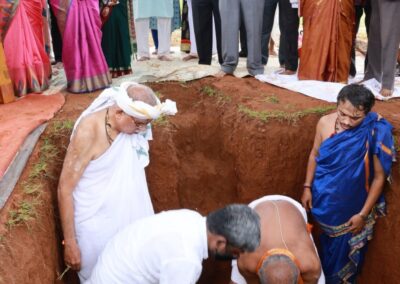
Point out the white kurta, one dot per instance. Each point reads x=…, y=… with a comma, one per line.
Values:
x=166, y=248
x=236, y=277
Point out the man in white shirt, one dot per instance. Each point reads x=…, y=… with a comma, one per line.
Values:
x=169, y=247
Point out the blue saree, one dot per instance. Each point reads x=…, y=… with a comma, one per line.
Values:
x=342, y=178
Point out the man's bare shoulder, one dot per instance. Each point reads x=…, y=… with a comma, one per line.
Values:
x=327, y=119
x=88, y=138
x=88, y=128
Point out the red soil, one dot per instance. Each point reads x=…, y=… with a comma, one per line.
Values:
x=210, y=154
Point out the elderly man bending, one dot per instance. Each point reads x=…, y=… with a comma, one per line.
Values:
x=103, y=186
x=169, y=247
x=287, y=253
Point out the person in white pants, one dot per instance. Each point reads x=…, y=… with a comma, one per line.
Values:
x=163, y=11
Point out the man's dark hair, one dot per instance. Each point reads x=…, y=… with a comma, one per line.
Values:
x=358, y=95
x=238, y=223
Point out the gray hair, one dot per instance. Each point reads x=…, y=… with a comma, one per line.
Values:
x=280, y=269
x=142, y=93
x=238, y=223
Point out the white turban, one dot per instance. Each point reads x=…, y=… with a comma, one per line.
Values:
x=141, y=109
x=137, y=109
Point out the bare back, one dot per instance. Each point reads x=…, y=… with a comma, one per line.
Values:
x=294, y=233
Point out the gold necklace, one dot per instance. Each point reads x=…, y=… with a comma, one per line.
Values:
x=107, y=126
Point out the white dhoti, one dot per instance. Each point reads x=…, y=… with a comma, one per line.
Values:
x=236, y=277
x=112, y=192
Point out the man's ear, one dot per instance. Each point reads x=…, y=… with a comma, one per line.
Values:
x=221, y=242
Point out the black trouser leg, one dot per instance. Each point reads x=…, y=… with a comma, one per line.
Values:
x=202, y=21
x=290, y=30
x=217, y=20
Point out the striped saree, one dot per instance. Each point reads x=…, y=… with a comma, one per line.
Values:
x=84, y=62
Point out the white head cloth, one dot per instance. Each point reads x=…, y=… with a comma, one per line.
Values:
x=141, y=109
x=137, y=109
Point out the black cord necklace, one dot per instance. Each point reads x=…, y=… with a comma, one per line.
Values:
x=107, y=126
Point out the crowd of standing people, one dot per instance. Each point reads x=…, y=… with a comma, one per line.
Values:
x=95, y=39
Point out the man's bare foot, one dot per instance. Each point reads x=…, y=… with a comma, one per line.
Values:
x=220, y=74
x=189, y=57
x=143, y=58
x=287, y=72
x=386, y=93
x=164, y=58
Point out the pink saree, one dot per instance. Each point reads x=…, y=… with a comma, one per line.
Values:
x=84, y=62
x=22, y=26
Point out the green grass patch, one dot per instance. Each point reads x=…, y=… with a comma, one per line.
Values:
x=209, y=91
x=26, y=210
x=271, y=99
x=38, y=169
x=161, y=121
x=290, y=117
x=31, y=188
x=213, y=93
x=48, y=150
x=60, y=125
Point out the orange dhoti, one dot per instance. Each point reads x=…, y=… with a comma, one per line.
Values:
x=328, y=33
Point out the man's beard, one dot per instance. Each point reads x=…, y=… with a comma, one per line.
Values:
x=224, y=256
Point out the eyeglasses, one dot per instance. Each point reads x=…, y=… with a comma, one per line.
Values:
x=140, y=123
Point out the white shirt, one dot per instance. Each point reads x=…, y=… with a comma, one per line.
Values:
x=166, y=248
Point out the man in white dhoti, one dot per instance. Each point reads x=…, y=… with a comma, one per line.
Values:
x=103, y=186
x=287, y=253
x=163, y=10
x=169, y=247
